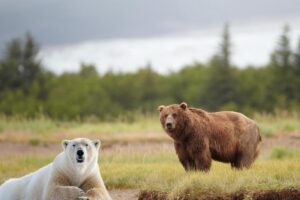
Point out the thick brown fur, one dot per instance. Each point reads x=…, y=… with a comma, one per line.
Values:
x=201, y=136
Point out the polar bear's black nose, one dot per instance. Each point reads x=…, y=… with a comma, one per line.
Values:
x=80, y=152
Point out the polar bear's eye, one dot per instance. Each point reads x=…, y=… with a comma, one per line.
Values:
x=86, y=145
x=74, y=145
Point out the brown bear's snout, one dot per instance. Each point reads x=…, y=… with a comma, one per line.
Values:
x=169, y=123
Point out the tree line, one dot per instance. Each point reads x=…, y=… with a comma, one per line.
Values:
x=28, y=89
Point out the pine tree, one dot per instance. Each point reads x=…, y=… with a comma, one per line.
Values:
x=297, y=72
x=281, y=62
x=220, y=92
x=225, y=48
x=20, y=68
x=10, y=76
x=282, y=56
x=297, y=58
x=31, y=69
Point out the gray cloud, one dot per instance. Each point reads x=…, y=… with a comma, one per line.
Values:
x=55, y=22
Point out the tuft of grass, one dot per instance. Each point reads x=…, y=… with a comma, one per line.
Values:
x=284, y=153
x=34, y=141
x=223, y=180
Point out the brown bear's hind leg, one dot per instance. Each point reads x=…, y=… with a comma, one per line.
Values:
x=243, y=160
x=236, y=163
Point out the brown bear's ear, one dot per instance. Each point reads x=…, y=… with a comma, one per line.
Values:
x=183, y=105
x=160, y=108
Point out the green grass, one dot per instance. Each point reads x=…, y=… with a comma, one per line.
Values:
x=16, y=166
x=43, y=129
x=279, y=123
x=40, y=125
x=262, y=176
x=143, y=124
x=282, y=153
x=43, y=125
x=162, y=172
x=19, y=129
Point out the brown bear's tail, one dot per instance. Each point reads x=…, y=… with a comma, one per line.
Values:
x=259, y=137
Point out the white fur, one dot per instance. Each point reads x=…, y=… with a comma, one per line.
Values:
x=39, y=184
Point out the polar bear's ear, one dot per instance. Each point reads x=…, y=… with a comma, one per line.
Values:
x=97, y=143
x=160, y=108
x=65, y=143
x=183, y=105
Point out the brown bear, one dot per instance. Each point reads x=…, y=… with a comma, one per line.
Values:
x=201, y=136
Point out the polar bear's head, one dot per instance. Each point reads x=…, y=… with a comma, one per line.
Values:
x=81, y=151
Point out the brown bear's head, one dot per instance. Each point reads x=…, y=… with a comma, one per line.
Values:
x=173, y=117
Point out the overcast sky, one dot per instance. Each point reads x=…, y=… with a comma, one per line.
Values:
x=125, y=34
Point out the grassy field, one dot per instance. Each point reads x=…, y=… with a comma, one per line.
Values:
x=160, y=171
x=140, y=128
x=142, y=157
x=45, y=130
x=279, y=123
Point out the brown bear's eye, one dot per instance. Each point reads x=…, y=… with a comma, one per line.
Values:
x=174, y=115
x=166, y=115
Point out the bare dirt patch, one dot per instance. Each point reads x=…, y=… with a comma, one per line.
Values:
x=9, y=148
x=124, y=194
x=291, y=140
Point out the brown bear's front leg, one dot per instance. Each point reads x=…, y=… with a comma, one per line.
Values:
x=184, y=157
x=201, y=154
x=203, y=161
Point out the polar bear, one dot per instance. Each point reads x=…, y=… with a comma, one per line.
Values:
x=73, y=175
